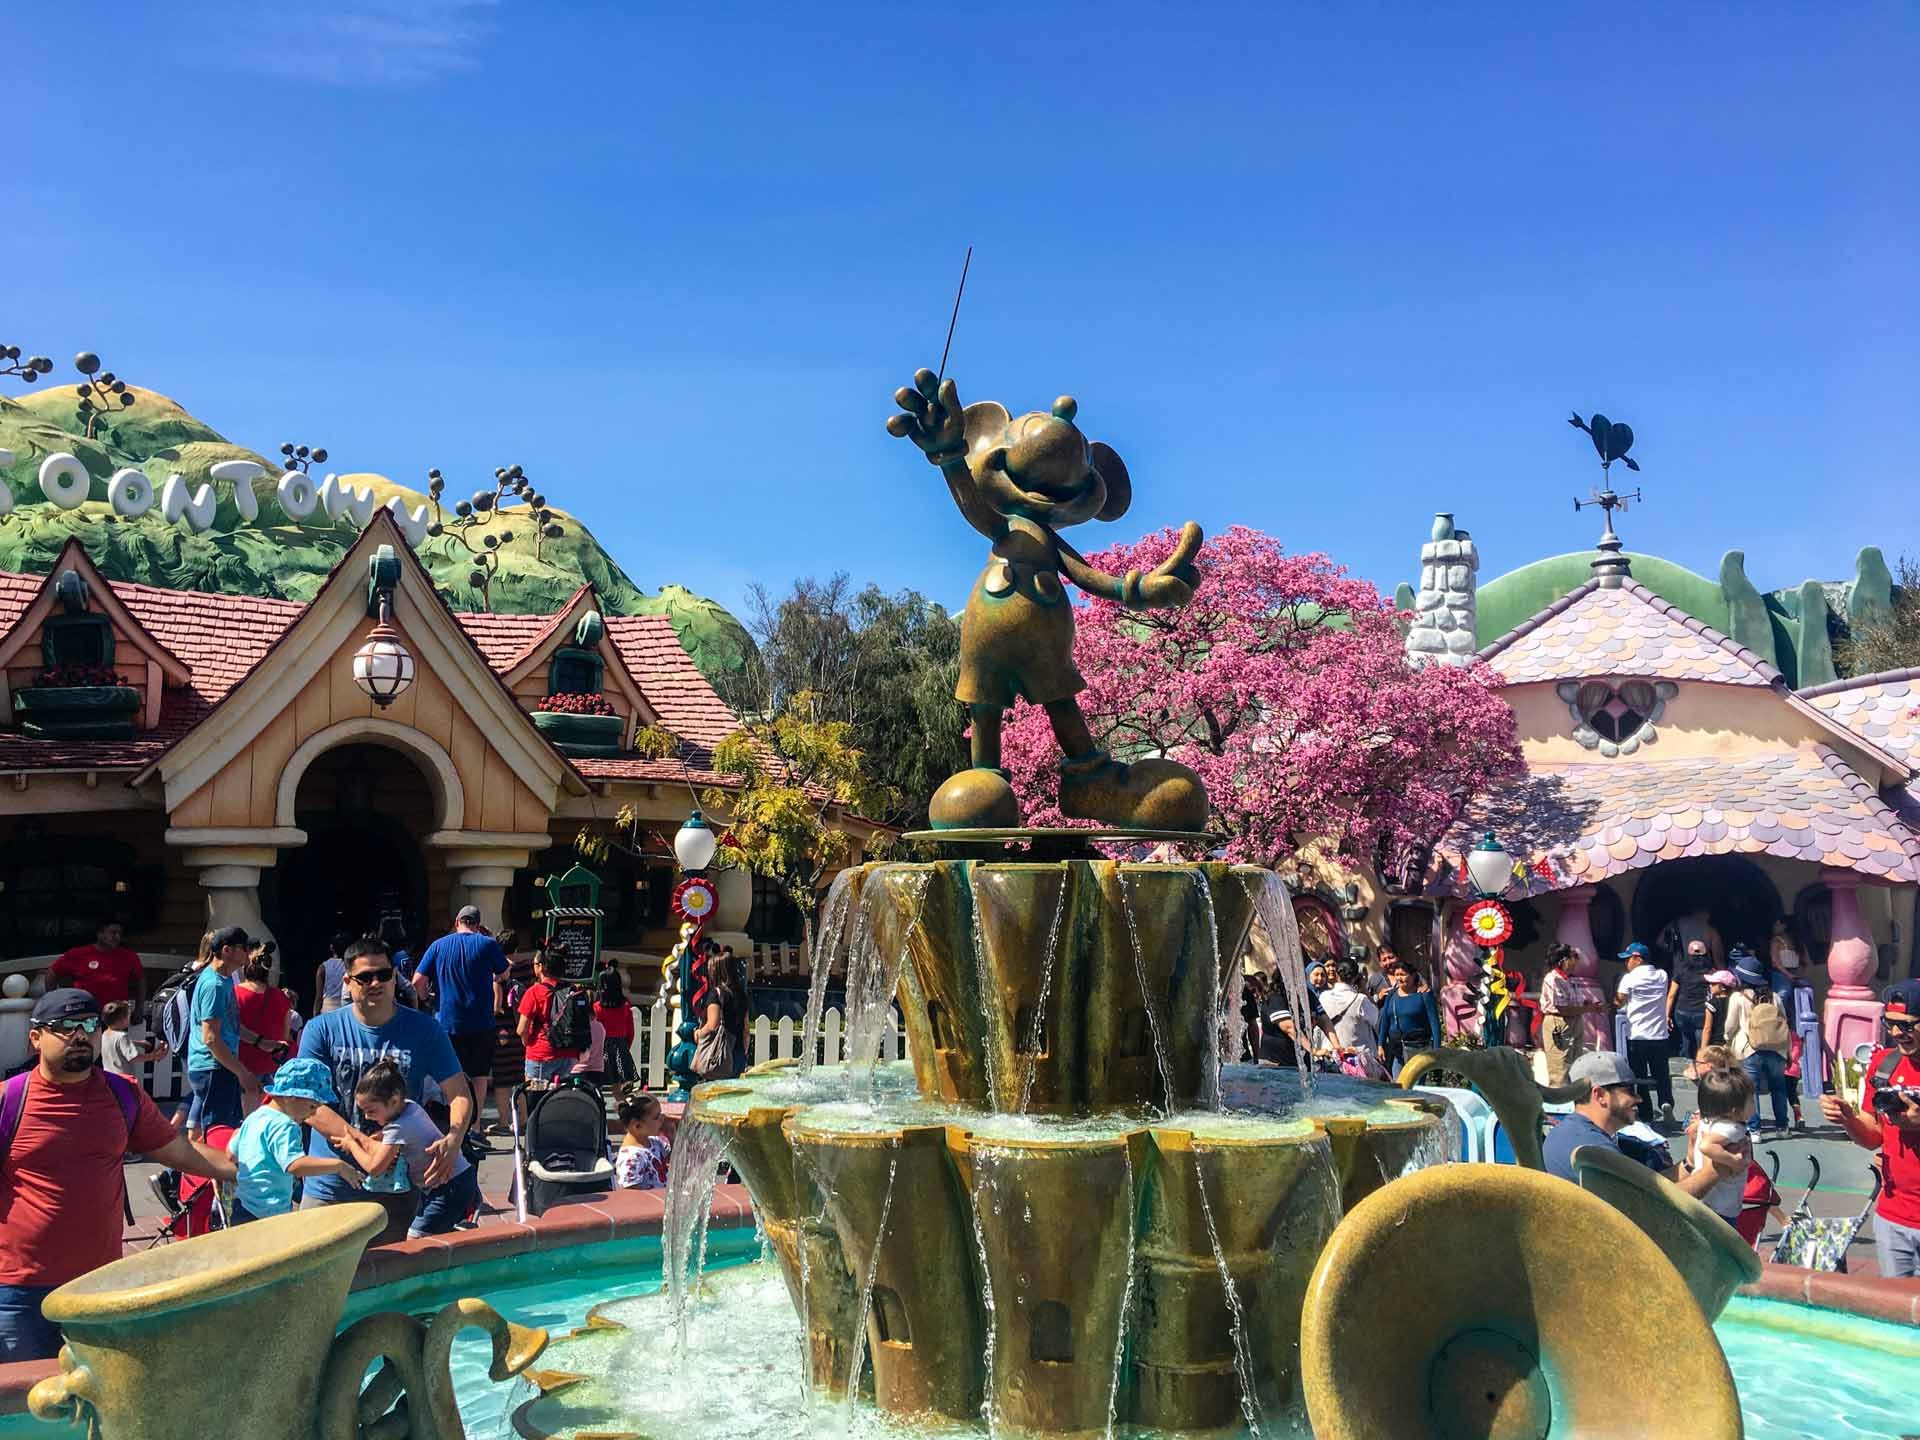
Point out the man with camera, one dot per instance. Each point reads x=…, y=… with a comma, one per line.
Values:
x=1888, y=1120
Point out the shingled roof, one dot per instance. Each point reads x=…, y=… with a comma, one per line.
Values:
x=1588, y=822
x=221, y=638
x=1625, y=631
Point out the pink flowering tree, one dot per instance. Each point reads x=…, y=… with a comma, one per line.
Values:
x=1285, y=686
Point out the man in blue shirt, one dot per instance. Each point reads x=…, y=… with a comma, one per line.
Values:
x=218, y=1081
x=463, y=975
x=1608, y=1108
x=350, y=1039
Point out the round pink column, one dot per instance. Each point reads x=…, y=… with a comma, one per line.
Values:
x=1852, y=1013
x=1459, y=998
x=1575, y=928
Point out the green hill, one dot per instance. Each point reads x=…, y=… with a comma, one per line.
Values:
x=275, y=554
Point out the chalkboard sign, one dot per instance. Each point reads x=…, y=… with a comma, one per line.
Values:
x=573, y=925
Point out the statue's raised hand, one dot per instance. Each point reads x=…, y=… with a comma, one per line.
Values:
x=931, y=416
x=1169, y=585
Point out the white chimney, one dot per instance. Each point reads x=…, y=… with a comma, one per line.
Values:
x=1443, y=611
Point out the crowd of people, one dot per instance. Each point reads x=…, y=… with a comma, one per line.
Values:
x=377, y=1096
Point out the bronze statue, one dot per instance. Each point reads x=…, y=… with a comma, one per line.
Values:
x=1017, y=481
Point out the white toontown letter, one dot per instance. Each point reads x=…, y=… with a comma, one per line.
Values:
x=130, y=493
x=64, y=480
x=296, y=495
x=241, y=473
x=198, y=506
x=341, y=500
x=413, y=526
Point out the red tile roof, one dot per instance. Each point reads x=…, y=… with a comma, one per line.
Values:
x=222, y=637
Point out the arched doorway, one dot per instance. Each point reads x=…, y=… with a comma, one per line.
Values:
x=364, y=808
x=1734, y=894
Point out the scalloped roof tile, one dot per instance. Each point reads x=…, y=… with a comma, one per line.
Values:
x=1588, y=822
x=1882, y=709
x=1628, y=632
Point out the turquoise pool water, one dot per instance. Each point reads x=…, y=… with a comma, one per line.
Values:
x=1800, y=1373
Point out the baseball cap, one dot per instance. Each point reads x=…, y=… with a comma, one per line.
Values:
x=229, y=935
x=469, y=914
x=1636, y=948
x=1696, y=947
x=302, y=1080
x=1720, y=977
x=1601, y=1067
x=63, y=1004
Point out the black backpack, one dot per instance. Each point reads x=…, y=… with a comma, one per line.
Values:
x=170, y=1011
x=570, y=1018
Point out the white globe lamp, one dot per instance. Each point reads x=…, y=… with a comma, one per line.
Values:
x=1489, y=866
x=694, y=843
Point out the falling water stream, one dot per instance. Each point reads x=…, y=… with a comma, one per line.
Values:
x=1032, y=1044
x=692, y=1175
x=1273, y=912
x=1210, y=1042
x=983, y=1183
x=1167, y=1091
x=1126, y=1303
x=870, y=989
x=866, y=1285
x=1242, y=1356
x=838, y=903
x=983, y=980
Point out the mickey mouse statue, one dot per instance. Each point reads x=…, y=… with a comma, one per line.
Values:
x=1017, y=481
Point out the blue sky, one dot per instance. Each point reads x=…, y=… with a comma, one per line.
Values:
x=1317, y=269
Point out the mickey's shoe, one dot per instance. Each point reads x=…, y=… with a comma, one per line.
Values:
x=1146, y=795
x=976, y=799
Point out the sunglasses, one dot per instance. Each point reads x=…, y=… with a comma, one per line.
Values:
x=1901, y=1027
x=371, y=977
x=67, y=1028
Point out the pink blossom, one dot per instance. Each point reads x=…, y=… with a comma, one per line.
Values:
x=1285, y=685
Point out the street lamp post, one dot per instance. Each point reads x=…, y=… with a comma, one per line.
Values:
x=1490, y=870
x=693, y=899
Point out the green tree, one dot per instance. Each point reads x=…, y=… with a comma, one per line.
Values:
x=793, y=770
x=883, y=664
x=1891, y=640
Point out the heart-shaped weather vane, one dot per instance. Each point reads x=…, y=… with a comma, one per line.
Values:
x=1611, y=439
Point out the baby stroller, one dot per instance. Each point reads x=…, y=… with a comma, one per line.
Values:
x=1820, y=1243
x=192, y=1205
x=563, y=1149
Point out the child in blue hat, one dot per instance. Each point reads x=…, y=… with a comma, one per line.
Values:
x=267, y=1149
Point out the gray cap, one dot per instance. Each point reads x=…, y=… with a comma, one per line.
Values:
x=467, y=915
x=1601, y=1067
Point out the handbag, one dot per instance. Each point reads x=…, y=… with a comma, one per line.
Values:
x=713, y=1057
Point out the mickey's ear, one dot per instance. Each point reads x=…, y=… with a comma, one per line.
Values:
x=1113, y=471
x=986, y=424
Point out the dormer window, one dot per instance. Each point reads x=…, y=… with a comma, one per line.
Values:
x=1616, y=717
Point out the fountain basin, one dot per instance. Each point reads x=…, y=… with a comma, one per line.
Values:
x=1057, y=1270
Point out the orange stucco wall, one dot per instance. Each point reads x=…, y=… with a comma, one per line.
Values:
x=1700, y=720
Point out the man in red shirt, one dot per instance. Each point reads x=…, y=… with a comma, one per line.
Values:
x=106, y=969
x=1888, y=1120
x=61, y=1178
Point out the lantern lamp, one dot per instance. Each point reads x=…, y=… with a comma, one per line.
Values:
x=1489, y=866
x=382, y=667
x=694, y=843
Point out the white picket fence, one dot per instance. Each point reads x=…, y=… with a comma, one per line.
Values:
x=652, y=1039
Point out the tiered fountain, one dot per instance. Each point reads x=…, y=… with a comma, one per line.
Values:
x=1065, y=1215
